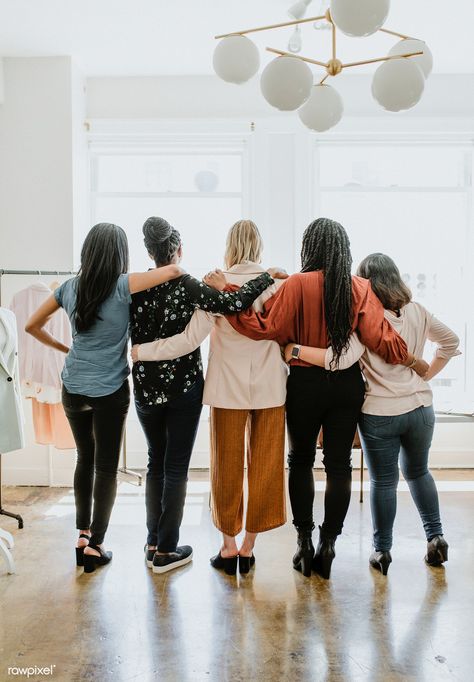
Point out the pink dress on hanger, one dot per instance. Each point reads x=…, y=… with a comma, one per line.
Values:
x=40, y=368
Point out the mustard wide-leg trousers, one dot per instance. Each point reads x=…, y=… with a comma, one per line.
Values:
x=261, y=435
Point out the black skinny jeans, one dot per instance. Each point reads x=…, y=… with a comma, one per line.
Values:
x=170, y=430
x=97, y=425
x=332, y=400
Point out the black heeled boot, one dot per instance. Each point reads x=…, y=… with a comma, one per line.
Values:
x=304, y=551
x=380, y=560
x=436, y=551
x=324, y=555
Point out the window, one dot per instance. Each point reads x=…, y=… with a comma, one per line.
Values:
x=412, y=201
x=198, y=185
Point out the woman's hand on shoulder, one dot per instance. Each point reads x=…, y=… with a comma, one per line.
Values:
x=278, y=273
x=177, y=271
x=215, y=279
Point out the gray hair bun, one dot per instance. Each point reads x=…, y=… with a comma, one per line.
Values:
x=162, y=240
x=156, y=231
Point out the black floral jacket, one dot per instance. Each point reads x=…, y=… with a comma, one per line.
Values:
x=164, y=311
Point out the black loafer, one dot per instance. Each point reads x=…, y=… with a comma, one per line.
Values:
x=229, y=564
x=166, y=562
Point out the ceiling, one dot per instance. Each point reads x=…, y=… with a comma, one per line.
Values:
x=158, y=37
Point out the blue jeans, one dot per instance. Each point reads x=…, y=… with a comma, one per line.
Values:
x=383, y=439
x=170, y=430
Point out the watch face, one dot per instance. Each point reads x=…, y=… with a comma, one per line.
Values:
x=295, y=353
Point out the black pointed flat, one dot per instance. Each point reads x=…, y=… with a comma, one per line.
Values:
x=229, y=564
x=246, y=563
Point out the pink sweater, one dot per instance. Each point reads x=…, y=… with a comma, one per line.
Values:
x=395, y=389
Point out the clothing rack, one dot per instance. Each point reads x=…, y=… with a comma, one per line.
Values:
x=123, y=468
x=4, y=512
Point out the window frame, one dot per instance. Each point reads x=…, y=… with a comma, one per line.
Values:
x=413, y=140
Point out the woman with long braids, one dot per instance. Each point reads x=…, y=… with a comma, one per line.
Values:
x=168, y=394
x=325, y=304
x=397, y=418
x=96, y=392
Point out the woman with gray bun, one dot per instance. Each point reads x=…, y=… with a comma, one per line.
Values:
x=168, y=394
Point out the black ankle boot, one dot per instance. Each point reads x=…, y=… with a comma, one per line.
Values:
x=304, y=551
x=436, y=551
x=324, y=555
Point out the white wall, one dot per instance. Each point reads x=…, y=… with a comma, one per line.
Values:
x=43, y=195
x=204, y=97
x=36, y=164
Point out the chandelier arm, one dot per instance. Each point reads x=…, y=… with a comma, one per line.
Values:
x=395, y=33
x=381, y=59
x=269, y=27
x=321, y=82
x=282, y=53
x=333, y=27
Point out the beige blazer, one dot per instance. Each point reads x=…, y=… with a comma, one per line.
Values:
x=242, y=374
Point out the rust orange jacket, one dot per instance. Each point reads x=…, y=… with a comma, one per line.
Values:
x=296, y=314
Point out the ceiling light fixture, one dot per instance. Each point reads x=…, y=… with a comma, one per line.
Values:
x=287, y=81
x=298, y=10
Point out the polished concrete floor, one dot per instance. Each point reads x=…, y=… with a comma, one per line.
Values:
x=123, y=623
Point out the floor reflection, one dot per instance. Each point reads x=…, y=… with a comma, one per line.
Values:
x=125, y=624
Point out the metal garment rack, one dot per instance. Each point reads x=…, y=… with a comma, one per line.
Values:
x=122, y=469
x=4, y=512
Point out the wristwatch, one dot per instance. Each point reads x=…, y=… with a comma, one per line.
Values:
x=295, y=352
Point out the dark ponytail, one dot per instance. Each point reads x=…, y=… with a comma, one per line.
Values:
x=104, y=257
x=326, y=247
x=162, y=241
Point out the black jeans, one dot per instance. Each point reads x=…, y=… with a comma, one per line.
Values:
x=170, y=430
x=317, y=398
x=97, y=425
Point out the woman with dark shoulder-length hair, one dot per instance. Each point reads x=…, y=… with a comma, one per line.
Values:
x=96, y=393
x=324, y=303
x=397, y=419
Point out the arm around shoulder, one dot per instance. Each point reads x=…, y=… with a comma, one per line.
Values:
x=139, y=281
x=175, y=346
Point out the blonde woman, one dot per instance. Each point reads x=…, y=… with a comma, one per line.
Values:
x=246, y=389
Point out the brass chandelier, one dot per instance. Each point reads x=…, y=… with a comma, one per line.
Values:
x=287, y=82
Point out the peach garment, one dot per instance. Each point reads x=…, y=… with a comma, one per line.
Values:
x=40, y=368
x=51, y=426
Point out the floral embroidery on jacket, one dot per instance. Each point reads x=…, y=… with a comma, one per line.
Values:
x=164, y=311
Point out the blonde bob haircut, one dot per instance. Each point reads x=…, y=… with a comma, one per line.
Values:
x=244, y=243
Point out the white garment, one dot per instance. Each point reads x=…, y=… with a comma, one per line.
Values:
x=40, y=365
x=11, y=413
x=242, y=374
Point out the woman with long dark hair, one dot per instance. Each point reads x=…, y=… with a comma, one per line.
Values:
x=397, y=419
x=168, y=394
x=96, y=392
x=323, y=302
